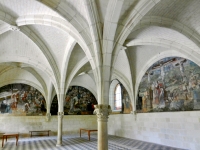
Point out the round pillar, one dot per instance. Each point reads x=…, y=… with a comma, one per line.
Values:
x=102, y=111
x=60, y=123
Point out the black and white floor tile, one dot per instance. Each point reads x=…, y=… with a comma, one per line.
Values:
x=74, y=142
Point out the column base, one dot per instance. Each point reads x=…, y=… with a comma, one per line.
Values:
x=58, y=145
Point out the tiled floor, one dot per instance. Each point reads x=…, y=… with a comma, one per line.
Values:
x=74, y=142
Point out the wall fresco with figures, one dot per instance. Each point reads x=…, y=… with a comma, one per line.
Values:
x=21, y=99
x=78, y=101
x=126, y=101
x=170, y=84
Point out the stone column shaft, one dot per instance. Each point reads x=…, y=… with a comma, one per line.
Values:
x=102, y=111
x=60, y=125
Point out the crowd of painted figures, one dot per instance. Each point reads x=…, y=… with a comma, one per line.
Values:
x=175, y=87
x=78, y=101
x=22, y=101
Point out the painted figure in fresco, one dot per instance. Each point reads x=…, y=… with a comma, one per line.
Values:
x=156, y=93
x=144, y=101
x=14, y=99
x=23, y=96
x=126, y=102
x=3, y=106
x=73, y=102
x=162, y=72
x=181, y=65
x=195, y=89
x=185, y=83
x=149, y=78
x=161, y=98
x=89, y=106
x=17, y=96
x=37, y=104
x=182, y=68
x=43, y=107
x=8, y=109
x=26, y=107
x=139, y=101
x=67, y=98
x=194, y=82
x=170, y=98
x=196, y=93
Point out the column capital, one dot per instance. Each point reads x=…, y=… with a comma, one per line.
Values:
x=102, y=111
x=60, y=114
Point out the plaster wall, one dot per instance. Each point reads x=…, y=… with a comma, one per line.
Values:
x=85, y=81
x=23, y=124
x=177, y=129
x=122, y=65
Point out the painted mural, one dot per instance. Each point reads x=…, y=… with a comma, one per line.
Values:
x=78, y=101
x=21, y=99
x=170, y=84
x=126, y=102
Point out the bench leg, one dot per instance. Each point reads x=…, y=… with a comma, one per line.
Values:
x=17, y=137
x=89, y=135
x=80, y=132
x=2, y=141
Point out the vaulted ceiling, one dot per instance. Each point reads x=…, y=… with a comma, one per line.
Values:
x=43, y=41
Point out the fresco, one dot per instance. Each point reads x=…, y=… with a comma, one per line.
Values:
x=171, y=84
x=78, y=101
x=126, y=101
x=21, y=99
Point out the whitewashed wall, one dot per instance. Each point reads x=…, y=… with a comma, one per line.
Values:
x=177, y=129
x=23, y=124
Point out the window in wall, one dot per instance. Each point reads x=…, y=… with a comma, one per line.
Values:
x=118, y=98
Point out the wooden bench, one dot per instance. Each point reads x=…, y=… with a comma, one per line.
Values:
x=40, y=131
x=6, y=135
x=88, y=131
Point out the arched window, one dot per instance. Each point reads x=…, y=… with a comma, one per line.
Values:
x=118, y=98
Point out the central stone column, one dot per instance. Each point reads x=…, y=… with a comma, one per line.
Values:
x=102, y=111
x=60, y=123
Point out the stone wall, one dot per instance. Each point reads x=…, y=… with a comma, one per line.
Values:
x=177, y=129
x=23, y=124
